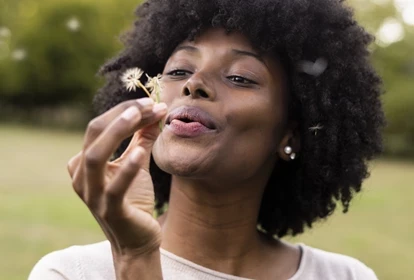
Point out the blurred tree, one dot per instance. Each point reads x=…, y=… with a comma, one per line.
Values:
x=393, y=57
x=56, y=48
x=51, y=50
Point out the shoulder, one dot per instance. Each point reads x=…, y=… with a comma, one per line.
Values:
x=319, y=264
x=93, y=261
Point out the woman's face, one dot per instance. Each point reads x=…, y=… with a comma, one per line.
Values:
x=227, y=109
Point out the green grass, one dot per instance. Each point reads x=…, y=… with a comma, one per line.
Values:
x=40, y=213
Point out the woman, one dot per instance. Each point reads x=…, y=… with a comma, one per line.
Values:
x=270, y=111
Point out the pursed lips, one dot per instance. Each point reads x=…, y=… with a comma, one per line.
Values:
x=189, y=114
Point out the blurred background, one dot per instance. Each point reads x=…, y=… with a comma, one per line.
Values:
x=50, y=52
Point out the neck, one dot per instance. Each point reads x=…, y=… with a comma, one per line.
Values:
x=212, y=226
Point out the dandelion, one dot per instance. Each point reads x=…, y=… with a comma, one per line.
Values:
x=154, y=85
x=73, y=24
x=316, y=128
x=131, y=78
x=19, y=54
x=313, y=68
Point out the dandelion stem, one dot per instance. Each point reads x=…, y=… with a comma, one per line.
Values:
x=144, y=89
x=158, y=96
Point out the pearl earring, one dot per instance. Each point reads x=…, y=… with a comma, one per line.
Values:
x=288, y=150
x=293, y=156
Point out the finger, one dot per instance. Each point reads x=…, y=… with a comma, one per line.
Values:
x=99, y=152
x=116, y=190
x=131, y=145
x=98, y=124
x=159, y=110
x=97, y=155
x=145, y=136
x=74, y=167
x=74, y=163
x=78, y=179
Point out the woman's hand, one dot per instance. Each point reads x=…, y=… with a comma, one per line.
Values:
x=120, y=194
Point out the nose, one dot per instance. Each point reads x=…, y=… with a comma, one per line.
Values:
x=197, y=87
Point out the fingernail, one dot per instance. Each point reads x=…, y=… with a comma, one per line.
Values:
x=130, y=113
x=145, y=101
x=159, y=107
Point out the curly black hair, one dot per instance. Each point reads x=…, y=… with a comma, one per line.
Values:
x=344, y=100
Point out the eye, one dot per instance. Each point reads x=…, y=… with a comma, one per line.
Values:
x=178, y=73
x=241, y=80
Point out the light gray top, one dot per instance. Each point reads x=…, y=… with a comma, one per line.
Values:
x=94, y=261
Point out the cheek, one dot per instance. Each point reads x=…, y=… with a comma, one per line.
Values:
x=170, y=91
x=257, y=115
x=256, y=129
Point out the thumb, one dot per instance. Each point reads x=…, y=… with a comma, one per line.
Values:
x=145, y=138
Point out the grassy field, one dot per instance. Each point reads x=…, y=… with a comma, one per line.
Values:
x=40, y=213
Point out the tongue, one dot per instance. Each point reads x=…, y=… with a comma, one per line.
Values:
x=187, y=122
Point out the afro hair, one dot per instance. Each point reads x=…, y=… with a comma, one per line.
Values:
x=341, y=97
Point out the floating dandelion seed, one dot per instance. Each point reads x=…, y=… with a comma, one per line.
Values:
x=19, y=54
x=154, y=85
x=5, y=32
x=313, y=68
x=131, y=78
x=73, y=24
x=316, y=128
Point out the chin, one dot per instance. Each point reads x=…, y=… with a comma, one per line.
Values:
x=182, y=161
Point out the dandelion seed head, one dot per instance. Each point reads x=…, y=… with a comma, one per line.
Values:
x=73, y=24
x=154, y=83
x=155, y=86
x=19, y=54
x=5, y=32
x=313, y=68
x=131, y=78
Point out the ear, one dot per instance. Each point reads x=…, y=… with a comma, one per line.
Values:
x=291, y=139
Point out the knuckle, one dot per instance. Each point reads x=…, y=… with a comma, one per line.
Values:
x=130, y=169
x=126, y=104
x=121, y=107
x=70, y=170
x=123, y=123
x=92, y=159
x=121, y=129
x=78, y=188
x=111, y=195
x=95, y=126
x=71, y=167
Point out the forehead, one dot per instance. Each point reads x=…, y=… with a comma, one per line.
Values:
x=218, y=42
x=219, y=38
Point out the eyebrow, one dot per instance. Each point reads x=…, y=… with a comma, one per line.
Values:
x=234, y=51
x=247, y=53
x=185, y=48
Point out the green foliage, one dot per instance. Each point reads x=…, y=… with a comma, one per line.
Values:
x=61, y=63
x=395, y=63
